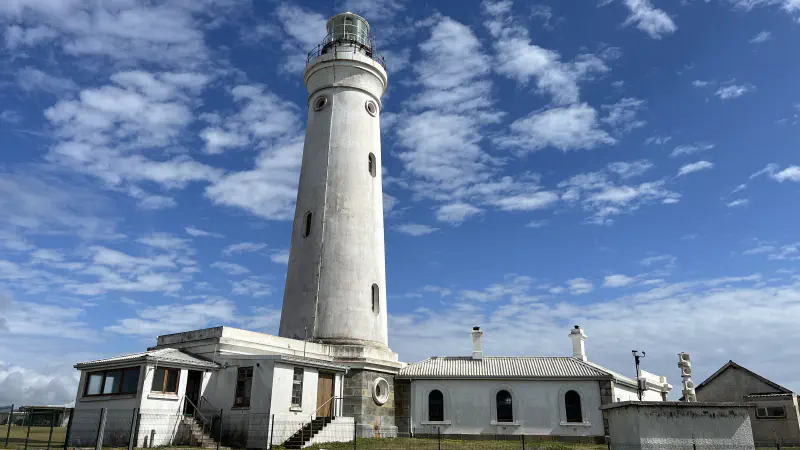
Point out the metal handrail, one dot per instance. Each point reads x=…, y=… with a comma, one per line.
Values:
x=196, y=410
x=349, y=40
x=333, y=407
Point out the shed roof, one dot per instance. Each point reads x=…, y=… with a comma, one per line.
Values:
x=503, y=367
x=165, y=355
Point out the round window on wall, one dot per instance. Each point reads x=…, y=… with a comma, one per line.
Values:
x=380, y=391
x=320, y=102
x=372, y=108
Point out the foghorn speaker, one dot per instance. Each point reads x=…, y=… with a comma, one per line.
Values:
x=689, y=384
x=686, y=371
x=685, y=357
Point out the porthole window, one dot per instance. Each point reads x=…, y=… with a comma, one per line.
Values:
x=372, y=108
x=320, y=102
x=376, y=295
x=380, y=391
x=307, y=224
x=372, y=169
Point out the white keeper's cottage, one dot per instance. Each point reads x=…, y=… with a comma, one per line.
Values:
x=331, y=363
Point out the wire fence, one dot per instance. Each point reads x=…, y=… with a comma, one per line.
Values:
x=134, y=428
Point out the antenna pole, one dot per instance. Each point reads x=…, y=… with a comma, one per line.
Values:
x=636, y=358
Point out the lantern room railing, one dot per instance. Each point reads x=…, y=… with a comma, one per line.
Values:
x=346, y=38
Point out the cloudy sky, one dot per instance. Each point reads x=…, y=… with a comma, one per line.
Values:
x=626, y=165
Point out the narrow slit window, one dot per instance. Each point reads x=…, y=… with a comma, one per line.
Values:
x=297, y=387
x=375, y=298
x=307, y=224
x=372, y=169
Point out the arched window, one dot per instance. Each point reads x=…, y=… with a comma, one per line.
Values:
x=376, y=295
x=307, y=224
x=436, y=406
x=505, y=410
x=372, y=169
x=572, y=403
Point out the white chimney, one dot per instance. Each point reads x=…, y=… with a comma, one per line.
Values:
x=477, y=353
x=578, y=348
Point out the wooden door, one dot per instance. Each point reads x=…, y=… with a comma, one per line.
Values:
x=325, y=395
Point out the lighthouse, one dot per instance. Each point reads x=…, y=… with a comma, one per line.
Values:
x=336, y=279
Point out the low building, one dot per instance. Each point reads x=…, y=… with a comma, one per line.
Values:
x=44, y=416
x=773, y=408
x=553, y=396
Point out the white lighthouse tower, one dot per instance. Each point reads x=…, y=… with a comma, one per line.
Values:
x=336, y=280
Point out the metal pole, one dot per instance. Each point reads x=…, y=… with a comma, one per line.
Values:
x=523, y=442
x=439, y=437
x=101, y=429
x=10, y=419
x=271, y=432
x=69, y=428
x=132, y=438
x=355, y=433
x=27, y=436
x=52, y=424
x=219, y=435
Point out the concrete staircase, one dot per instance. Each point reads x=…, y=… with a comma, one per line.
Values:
x=306, y=433
x=197, y=435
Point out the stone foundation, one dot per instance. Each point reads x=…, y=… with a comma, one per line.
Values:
x=372, y=419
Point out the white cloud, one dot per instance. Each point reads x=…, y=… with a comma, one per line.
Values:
x=689, y=149
x=514, y=288
x=374, y=10
x=456, y=212
x=527, y=202
x=617, y=280
x=733, y=91
x=536, y=223
x=737, y=203
x=761, y=37
x=630, y=169
x=666, y=260
x=415, y=229
x=658, y=140
x=230, y=268
x=174, y=318
x=301, y=31
x=251, y=287
x=653, y=21
x=701, y=83
x=564, y=128
x=196, y=232
x=17, y=36
x=33, y=79
x=622, y=116
x=791, y=173
x=280, y=257
x=244, y=247
x=579, y=286
x=695, y=167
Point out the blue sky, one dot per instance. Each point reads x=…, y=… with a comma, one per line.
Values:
x=626, y=165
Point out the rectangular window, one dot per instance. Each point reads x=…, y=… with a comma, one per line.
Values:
x=771, y=412
x=165, y=380
x=112, y=382
x=297, y=387
x=244, y=385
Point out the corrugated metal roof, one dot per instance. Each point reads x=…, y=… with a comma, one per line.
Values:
x=768, y=395
x=502, y=367
x=170, y=355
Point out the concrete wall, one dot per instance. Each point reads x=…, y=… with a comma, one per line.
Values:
x=331, y=272
x=624, y=393
x=771, y=431
x=731, y=386
x=659, y=425
x=538, y=406
x=373, y=419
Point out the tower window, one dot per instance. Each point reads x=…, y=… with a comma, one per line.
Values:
x=372, y=168
x=307, y=224
x=320, y=102
x=372, y=108
x=375, y=299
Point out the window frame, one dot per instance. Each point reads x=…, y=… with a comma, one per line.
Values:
x=579, y=407
x=767, y=414
x=510, y=418
x=297, y=383
x=164, y=382
x=431, y=418
x=104, y=372
x=308, y=217
x=375, y=292
x=248, y=376
x=373, y=162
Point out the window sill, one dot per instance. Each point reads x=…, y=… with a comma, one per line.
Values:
x=442, y=422
x=296, y=409
x=505, y=424
x=110, y=397
x=160, y=396
x=240, y=408
x=576, y=424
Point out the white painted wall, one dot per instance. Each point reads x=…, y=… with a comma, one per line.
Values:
x=624, y=393
x=538, y=407
x=331, y=272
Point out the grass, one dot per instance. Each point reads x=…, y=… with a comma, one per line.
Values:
x=450, y=444
x=37, y=438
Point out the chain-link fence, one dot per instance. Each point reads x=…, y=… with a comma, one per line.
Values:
x=31, y=428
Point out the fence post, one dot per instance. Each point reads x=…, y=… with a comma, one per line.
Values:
x=101, y=428
x=271, y=431
x=152, y=438
x=439, y=437
x=132, y=437
x=52, y=424
x=10, y=419
x=29, y=427
x=355, y=433
x=69, y=428
x=219, y=435
x=523, y=442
